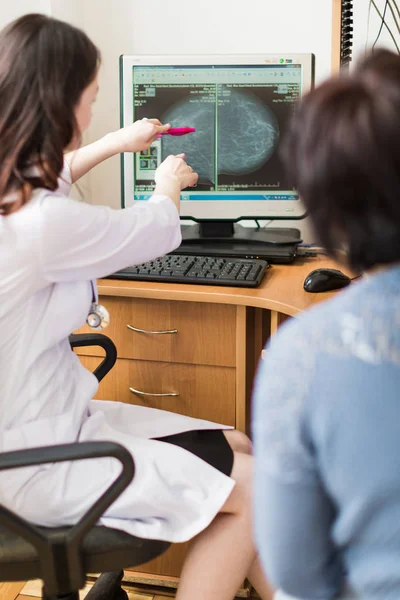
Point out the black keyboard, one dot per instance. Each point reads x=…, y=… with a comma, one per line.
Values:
x=211, y=270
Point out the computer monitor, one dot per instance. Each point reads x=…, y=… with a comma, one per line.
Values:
x=240, y=107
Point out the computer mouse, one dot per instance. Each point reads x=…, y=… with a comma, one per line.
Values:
x=325, y=280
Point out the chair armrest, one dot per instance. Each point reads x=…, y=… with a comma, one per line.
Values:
x=79, y=340
x=60, y=554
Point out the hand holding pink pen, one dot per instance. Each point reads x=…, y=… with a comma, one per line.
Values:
x=178, y=131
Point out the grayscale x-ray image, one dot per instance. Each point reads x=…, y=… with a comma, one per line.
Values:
x=199, y=147
x=247, y=136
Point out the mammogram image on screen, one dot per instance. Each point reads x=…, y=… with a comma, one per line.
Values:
x=199, y=147
x=240, y=115
x=247, y=134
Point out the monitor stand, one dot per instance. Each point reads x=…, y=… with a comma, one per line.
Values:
x=226, y=238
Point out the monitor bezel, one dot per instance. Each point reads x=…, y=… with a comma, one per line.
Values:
x=212, y=210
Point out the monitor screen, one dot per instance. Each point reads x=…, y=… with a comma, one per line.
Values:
x=239, y=108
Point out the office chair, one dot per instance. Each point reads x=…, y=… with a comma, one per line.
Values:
x=63, y=556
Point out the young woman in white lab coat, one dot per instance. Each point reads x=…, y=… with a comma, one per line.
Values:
x=193, y=478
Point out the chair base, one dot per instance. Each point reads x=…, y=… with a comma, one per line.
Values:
x=72, y=596
x=107, y=587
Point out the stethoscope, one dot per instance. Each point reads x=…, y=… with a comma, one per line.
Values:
x=98, y=317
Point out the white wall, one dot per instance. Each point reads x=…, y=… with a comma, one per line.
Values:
x=68, y=10
x=12, y=10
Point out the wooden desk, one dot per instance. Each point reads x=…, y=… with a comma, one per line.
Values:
x=281, y=290
x=194, y=349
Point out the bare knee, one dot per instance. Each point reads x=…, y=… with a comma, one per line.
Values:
x=240, y=499
x=238, y=441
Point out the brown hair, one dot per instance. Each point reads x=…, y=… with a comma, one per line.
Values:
x=45, y=65
x=343, y=156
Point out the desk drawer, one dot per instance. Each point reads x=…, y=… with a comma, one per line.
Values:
x=170, y=331
x=201, y=391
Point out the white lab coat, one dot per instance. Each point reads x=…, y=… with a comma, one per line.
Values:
x=50, y=250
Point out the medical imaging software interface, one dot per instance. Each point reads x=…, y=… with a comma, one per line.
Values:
x=240, y=114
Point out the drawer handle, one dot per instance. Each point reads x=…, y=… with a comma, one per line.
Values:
x=131, y=389
x=151, y=332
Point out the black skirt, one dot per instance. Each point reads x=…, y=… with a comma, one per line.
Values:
x=209, y=444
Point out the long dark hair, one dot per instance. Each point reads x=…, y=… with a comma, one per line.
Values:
x=45, y=65
x=343, y=153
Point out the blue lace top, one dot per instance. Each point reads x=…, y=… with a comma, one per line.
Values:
x=326, y=426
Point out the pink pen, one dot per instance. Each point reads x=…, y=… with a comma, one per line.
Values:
x=179, y=131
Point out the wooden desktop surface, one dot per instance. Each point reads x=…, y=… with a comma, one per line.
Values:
x=281, y=289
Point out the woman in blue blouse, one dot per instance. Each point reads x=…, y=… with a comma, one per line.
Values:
x=327, y=399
